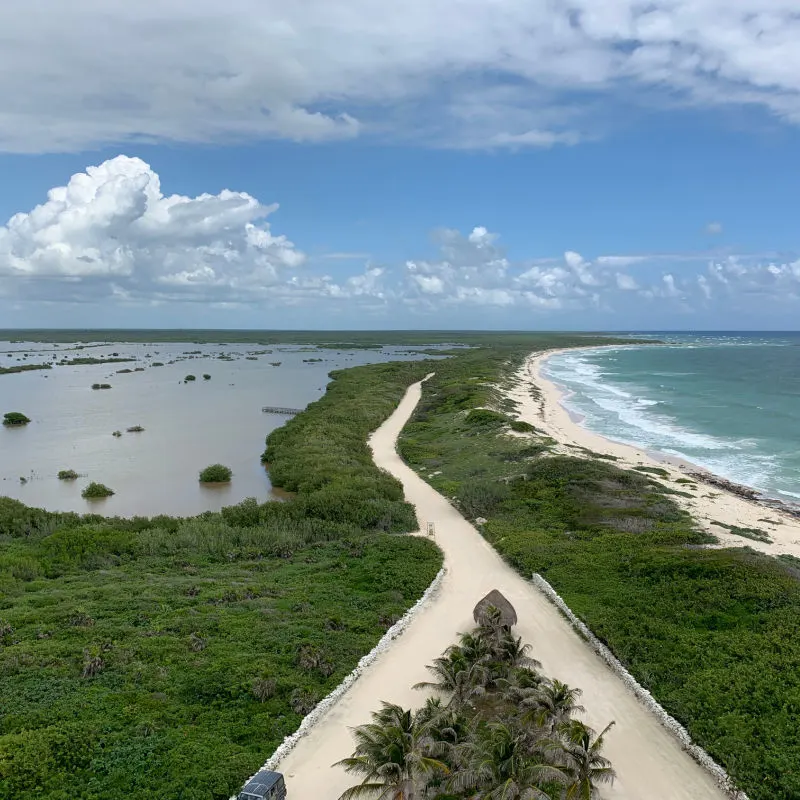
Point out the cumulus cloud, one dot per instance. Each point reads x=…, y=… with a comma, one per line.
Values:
x=112, y=235
x=522, y=73
x=112, y=232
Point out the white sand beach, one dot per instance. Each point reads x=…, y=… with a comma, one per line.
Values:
x=649, y=761
x=709, y=503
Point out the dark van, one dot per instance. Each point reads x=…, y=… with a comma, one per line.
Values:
x=264, y=785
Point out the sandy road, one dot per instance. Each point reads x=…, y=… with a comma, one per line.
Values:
x=649, y=762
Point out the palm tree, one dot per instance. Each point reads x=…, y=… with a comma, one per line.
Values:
x=551, y=705
x=582, y=760
x=395, y=755
x=462, y=677
x=443, y=723
x=498, y=764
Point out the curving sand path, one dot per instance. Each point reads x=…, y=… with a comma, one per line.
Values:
x=649, y=762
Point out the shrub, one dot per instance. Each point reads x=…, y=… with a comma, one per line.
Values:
x=135, y=429
x=95, y=490
x=189, y=378
x=264, y=688
x=206, y=377
x=520, y=426
x=480, y=498
x=14, y=418
x=101, y=386
x=117, y=434
x=67, y=475
x=93, y=663
x=216, y=473
x=483, y=418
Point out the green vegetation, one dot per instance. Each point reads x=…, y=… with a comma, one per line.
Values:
x=14, y=418
x=23, y=368
x=497, y=728
x=84, y=361
x=96, y=490
x=337, y=340
x=101, y=386
x=660, y=471
x=323, y=455
x=117, y=434
x=216, y=473
x=167, y=658
x=710, y=632
x=756, y=534
x=68, y=475
x=189, y=378
x=206, y=377
x=135, y=429
x=157, y=364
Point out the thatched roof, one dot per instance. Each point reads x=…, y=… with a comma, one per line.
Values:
x=495, y=600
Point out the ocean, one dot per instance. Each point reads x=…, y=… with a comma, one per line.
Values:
x=729, y=402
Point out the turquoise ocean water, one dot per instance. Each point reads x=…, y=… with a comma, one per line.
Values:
x=729, y=402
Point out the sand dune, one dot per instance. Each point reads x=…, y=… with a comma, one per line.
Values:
x=649, y=761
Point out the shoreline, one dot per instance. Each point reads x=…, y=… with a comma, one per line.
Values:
x=714, y=499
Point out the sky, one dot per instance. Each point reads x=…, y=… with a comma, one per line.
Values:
x=480, y=164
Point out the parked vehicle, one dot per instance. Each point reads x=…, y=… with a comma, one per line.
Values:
x=264, y=785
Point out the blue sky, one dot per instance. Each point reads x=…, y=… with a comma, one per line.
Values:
x=277, y=169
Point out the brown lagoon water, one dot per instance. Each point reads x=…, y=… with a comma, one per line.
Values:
x=187, y=425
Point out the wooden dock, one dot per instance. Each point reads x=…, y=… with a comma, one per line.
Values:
x=289, y=412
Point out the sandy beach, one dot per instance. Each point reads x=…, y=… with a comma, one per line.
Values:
x=708, y=504
x=649, y=761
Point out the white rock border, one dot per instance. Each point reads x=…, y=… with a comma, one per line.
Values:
x=324, y=705
x=670, y=723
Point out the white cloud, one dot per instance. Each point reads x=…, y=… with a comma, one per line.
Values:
x=621, y=261
x=111, y=231
x=714, y=228
x=111, y=235
x=522, y=73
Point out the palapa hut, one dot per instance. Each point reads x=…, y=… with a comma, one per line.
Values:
x=508, y=616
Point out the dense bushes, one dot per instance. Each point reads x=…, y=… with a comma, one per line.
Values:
x=96, y=490
x=322, y=454
x=14, y=418
x=216, y=473
x=143, y=663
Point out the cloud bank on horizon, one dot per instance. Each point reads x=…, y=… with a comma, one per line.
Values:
x=112, y=236
x=445, y=73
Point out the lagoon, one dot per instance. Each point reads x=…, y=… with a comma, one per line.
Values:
x=187, y=425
